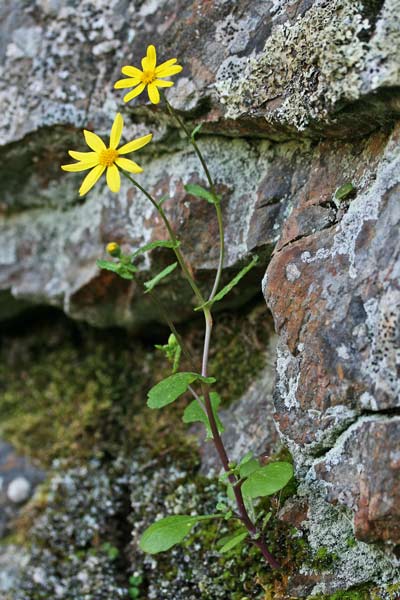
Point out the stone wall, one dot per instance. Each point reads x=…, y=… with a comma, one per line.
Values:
x=299, y=101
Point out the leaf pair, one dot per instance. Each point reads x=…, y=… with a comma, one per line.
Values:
x=195, y=412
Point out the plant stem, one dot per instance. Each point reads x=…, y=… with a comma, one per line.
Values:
x=217, y=205
x=173, y=239
x=218, y=443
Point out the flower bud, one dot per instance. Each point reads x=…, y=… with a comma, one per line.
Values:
x=113, y=249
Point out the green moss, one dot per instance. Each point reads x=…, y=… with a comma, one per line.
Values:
x=69, y=392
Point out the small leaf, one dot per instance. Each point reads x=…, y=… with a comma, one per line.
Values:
x=169, y=389
x=344, y=191
x=155, y=244
x=268, y=480
x=126, y=271
x=162, y=200
x=234, y=540
x=194, y=412
x=197, y=190
x=150, y=285
x=164, y=534
x=249, y=467
x=222, y=293
x=196, y=130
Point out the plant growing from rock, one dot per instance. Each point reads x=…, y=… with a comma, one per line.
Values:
x=247, y=480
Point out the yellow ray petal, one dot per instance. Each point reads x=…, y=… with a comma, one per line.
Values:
x=167, y=63
x=93, y=141
x=113, y=178
x=135, y=92
x=128, y=165
x=116, y=131
x=135, y=144
x=91, y=179
x=162, y=83
x=126, y=83
x=168, y=71
x=153, y=92
x=83, y=156
x=79, y=166
x=151, y=57
x=132, y=72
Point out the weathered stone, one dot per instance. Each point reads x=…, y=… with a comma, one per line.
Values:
x=362, y=472
x=18, y=480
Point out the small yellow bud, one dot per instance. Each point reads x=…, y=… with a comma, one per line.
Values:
x=113, y=249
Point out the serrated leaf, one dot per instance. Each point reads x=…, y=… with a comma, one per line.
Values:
x=268, y=480
x=155, y=244
x=234, y=540
x=249, y=467
x=197, y=190
x=151, y=284
x=126, y=271
x=196, y=130
x=194, y=413
x=168, y=532
x=225, y=290
x=169, y=389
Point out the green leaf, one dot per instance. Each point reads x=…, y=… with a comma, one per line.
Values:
x=196, y=130
x=222, y=293
x=126, y=271
x=268, y=480
x=233, y=540
x=165, y=533
x=344, y=191
x=194, y=412
x=197, y=190
x=150, y=285
x=155, y=244
x=169, y=389
x=249, y=467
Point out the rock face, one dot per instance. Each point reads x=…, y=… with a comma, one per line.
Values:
x=300, y=105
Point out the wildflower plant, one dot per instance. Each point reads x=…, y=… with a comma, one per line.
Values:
x=246, y=480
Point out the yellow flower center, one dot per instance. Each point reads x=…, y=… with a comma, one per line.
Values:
x=108, y=157
x=148, y=77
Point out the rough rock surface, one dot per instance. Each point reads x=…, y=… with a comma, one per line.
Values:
x=18, y=479
x=299, y=100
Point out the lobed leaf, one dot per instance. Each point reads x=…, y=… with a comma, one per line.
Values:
x=194, y=413
x=225, y=290
x=267, y=480
x=169, y=389
x=151, y=284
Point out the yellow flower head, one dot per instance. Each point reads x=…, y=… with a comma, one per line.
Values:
x=151, y=76
x=103, y=158
x=113, y=249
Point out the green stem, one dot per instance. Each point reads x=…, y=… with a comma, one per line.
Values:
x=173, y=239
x=202, y=160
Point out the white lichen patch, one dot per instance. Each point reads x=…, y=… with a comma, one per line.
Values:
x=315, y=62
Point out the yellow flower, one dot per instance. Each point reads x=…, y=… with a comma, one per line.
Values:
x=151, y=76
x=113, y=249
x=103, y=158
